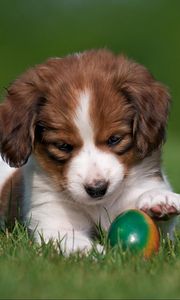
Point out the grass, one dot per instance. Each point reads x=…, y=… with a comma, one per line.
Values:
x=28, y=270
x=171, y=160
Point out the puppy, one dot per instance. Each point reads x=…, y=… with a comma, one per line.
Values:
x=85, y=133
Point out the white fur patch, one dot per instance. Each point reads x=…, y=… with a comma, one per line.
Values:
x=82, y=119
x=91, y=164
x=5, y=172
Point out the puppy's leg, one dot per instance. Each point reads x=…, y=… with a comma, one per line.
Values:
x=66, y=226
x=68, y=241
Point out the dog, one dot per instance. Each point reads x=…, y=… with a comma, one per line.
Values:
x=83, y=136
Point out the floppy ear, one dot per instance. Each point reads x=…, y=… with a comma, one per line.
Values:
x=17, y=119
x=150, y=101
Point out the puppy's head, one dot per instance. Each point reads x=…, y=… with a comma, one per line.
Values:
x=87, y=119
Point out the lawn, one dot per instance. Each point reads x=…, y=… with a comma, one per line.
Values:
x=147, y=31
x=30, y=271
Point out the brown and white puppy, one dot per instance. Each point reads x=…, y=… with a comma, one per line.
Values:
x=85, y=132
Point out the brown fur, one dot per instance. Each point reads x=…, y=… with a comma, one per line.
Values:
x=11, y=198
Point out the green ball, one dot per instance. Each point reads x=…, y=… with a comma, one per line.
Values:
x=134, y=230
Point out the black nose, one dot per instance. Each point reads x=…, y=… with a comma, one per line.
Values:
x=97, y=189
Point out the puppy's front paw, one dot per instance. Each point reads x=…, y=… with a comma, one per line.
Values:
x=81, y=245
x=160, y=204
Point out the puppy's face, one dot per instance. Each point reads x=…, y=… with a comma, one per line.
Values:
x=87, y=148
x=87, y=119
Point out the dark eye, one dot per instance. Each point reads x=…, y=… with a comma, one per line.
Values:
x=114, y=140
x=65, y=147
